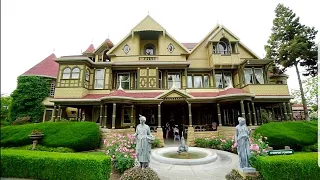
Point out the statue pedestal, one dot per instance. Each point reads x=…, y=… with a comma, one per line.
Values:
x=248, y=172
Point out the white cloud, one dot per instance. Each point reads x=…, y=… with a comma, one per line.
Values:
x=32, y=29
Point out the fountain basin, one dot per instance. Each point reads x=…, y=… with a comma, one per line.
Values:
x=169, y=155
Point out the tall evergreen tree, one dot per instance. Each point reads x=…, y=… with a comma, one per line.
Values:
x=292, y=44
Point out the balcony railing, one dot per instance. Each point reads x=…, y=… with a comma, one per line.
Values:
x=148, y=58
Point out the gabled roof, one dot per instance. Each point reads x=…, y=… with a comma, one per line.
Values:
x=90, y=49
x=46, y=68
x=107, y=43
x=157, y=27
x=173, y=93
x=189, y=46
x=215, y=31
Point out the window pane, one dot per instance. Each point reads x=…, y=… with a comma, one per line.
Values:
x=75, y=73
x=227, y=79
x=206, y=81
x=218, y=78
x=259, y=76
x=98, y=84
x=197, y=81
x=66, y=73
x=99, y=74
x=65, y=76
x=125, y=81
x=189, y=81
x=248, y=76
x=176, y=79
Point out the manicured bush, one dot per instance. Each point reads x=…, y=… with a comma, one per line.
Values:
x=293, y=134
x=289, y=167
x=44, y=148
x=79, y=136
x=235, y=175
x=52, y=165
x=137, y=173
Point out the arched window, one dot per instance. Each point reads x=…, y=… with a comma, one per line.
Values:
x=150, y=50
x=66, y=73
x=75, y=73
x=223, y=47
x=87, y=75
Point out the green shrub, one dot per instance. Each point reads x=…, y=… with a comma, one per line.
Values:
x=293, y=134
x=235, y=175
x=291, y=167
x=311, y=148
x=79, y=136
x=52, y=165
x=156, y=143
x=137, y=173
x=21, y=120
x=44, y=148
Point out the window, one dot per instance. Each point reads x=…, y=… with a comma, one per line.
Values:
x=160, y=79
x=174, y=78
x=222, y=47
x=87, y=75
x=66, y=73
x=223, y=79
x=75, y=74
x=125, y=80
x=253, y=76
x=150, y=50
x=198, y=81
x=52, y=88
x=99, y=79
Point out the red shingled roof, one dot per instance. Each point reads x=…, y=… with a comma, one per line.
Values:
x=47, y=67
x=189, y=46
x=155, y=94
x=90, y=49
x=124, y=94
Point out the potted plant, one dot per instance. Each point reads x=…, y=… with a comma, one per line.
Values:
x=35, y=136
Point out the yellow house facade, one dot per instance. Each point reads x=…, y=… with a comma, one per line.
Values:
x=198, y=86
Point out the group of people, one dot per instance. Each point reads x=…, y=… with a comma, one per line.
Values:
x=172, y=127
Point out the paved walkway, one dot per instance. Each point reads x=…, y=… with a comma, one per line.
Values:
x=213, y=171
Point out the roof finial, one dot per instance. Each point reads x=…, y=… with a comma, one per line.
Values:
x=53, y=50
x=148, y=12
x=108, y=36
x=92, y=40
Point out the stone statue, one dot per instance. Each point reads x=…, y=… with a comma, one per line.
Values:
x=242, y=138
x=144, y=139
x=183, y=147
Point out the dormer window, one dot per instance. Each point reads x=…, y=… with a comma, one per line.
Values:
x=150, y=50
x=222, y=47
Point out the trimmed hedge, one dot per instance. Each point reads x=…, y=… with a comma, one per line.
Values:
x=291, y=167
x=294, y=134
x=79, y=136
x=52, y=165
x=43, y=148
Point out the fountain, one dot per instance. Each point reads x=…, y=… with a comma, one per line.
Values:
x=184, y=155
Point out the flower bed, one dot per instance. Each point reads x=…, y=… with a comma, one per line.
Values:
x=258, y=144
x=122, y=151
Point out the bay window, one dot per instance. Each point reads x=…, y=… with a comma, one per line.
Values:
x=253, y=76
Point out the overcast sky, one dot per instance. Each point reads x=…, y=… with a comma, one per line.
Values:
x=31, y=29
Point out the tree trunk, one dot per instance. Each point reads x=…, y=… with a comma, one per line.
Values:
x=305, y=107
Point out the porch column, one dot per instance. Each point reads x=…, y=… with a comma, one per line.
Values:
x=249, y=114
x=77, y=118
x=59, y=112
x=242, y=109
x=273, y=115
x=83, y=115
x=219, y=114
x=131, y=117
x=101, y=115
x=54, y=113
x=254, y=113
x=290, y=110
x=281, y=113
x=159, y=115
x=114, y=116
x=190, y=114
x=80, y=115
x=105, y=115
x=285, y=111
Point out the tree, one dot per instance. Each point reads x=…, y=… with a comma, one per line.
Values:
x=310, y=87
x=28, y=96
x=292, y=44
x=5, y=104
